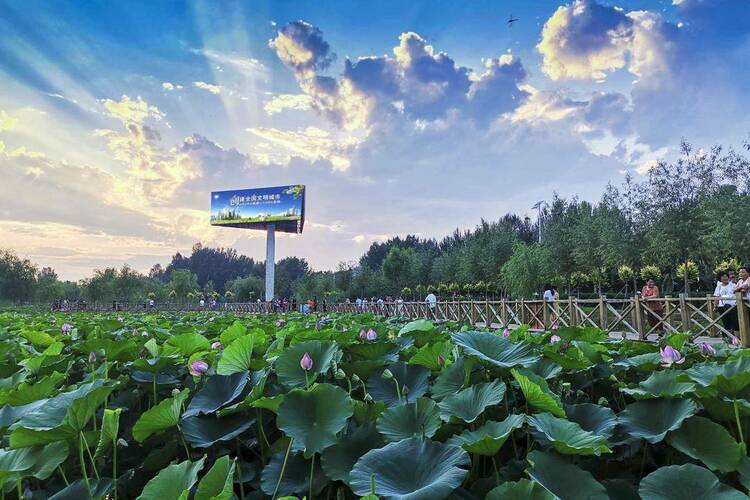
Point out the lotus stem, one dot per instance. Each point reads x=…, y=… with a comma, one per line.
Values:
x=114, y=465
x=62, y=474
x=739, y=425
x=312, y=472
x=372, y=484
x=349, y=381
x=398, y=389
x=91, y=457
x=239, y=472
x=18, y=488
x=283, y=467
x=154, y=388
x=262, y=431
x=82, y=461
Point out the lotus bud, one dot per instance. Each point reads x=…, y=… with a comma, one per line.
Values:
x=735, y=341
x=198, y=368
x=27, y=494
x=92, y=357
x=405, y=390
x=387, y=374
x=306, y=362
x=441, y=360
x=368, y=398
x=580, y=393
x=340, y=374
x=120, y=319
x=362, y=334
x=175, y=392
x=506, y=333
x=122, y=442
x=554, y=339
x=555, y=325
x=670, y=355
x=707, y=349
x=355, y=378
x=602, y=401
x=144, y=333
x=372, y=335
x=66, y=328
x=566, y=385
x=217, y=346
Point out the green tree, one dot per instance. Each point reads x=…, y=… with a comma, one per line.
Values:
x=183, y=281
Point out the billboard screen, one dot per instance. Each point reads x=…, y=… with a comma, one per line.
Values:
x=283, y=206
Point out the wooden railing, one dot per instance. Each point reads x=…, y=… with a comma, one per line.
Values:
x=636, y=317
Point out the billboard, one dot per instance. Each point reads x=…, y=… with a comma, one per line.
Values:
x=283, y=206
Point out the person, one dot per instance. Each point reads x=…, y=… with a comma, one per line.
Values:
x=549, y=293
x=743, y=285
x=202, y=303
x=727, y=303
x=151, y=303
x=732, y=277
x=431, y=303
x=650, y=294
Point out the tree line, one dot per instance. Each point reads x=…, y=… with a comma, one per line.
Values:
x=680, y=224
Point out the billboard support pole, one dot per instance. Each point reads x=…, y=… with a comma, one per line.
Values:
x=270, y=260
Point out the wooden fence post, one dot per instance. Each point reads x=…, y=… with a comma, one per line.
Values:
x=473, y=314
x=684, y=313
x=523, y=312
x=667, y=309
x=571, y=313
x=603, y=312
x=742, y=315
x=504, y=313
x=487, y=321
x=545, y=314
x=638, y=310
x=711, y=310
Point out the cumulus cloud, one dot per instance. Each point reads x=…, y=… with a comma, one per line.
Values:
x=170, y=86
x=214, y=89
x=128, y=110
x=279, y=103
x=311, y=143
x=301, y=46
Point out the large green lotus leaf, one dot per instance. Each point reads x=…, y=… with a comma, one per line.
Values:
x=26, y=393
x=363, y=368
x=678, y=482
x=173, y=481
x=314, y=417
x=188, y=343
x=218, y=392
x=374, y=350
x=419, y=325
x=367, y=412
x=563, y=479
x=662, y=384
x=707, y=441
x=522, y=490
x=296, y=478
x=651, y=419
x=115, y=350
x=568, y=437
x=452, y=378
x=467, y=404
x=77, y=490
x=743, y=471
x=218, y=482
x=338, y=460
x=156, y=364
x=429, y=355
x=232, y=333
x=730, y=377
x=288, y=368
x=37, y=461
x=620, y=489
x=593, y=418
x=546, y=368
x=163, y=416
x=203, y=431
x=109, y=430
x=421, y=418
x=253, y=390
x=416, y=378
x=148, y=378
x=238, y=357
x=646, y=362
x=537, y=392
x=572, y=358
x=490, y=437
x=51, y=413
x=582, y=333
x=495, y=350
x=411, y=469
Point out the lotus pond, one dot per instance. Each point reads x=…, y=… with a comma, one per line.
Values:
x=218, y=406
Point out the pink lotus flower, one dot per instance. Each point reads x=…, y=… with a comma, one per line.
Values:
x=306, y=362
x=735, y=341
x=707, y=349
x=670, y=355
x=506, y=333
x=198, y=368
x=555, y=325
x=362, y=334
x=280, y=322
x=217, y=346
x=554, y=339
x=144, y=333
x=120, y=319
x=92, y=357
x=66, y=328
x=441, y=360
x=372, y=335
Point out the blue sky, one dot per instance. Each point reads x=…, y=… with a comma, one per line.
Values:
x=117, y=119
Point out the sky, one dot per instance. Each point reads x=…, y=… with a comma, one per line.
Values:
x=118, y=119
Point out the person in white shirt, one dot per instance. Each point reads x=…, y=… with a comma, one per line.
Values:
x=743, y=285
x=202, y=303
x=431, y=303
x=549, y=293
x=727, y=303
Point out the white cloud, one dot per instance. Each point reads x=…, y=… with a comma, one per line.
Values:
x=248, y=66
x=279, y=103
x=128, y=110
x=214, y=89
x=170, y=86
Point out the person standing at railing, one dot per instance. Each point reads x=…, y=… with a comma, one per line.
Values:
x=743, y=285
x=727, y=303
x=651, y=296
x=431, y=301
